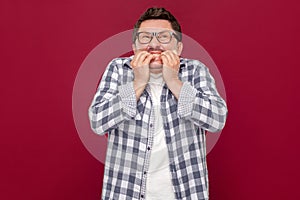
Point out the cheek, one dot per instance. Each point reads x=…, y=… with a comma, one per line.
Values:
x=140, y=47
x=170, y=46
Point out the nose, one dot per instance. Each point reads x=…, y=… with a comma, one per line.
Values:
x=154, y=43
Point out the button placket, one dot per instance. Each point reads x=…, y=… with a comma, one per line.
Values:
x=147, y=153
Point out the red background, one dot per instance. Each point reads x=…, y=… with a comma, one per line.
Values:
x=254, y=43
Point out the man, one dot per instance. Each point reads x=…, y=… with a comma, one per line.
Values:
x=155, y=108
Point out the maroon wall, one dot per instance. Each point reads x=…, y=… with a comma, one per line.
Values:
x=254, y=43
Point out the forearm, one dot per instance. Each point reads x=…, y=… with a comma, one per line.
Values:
x=103, y=120
x=175, y=87
x=109, y=109
x=206, y=111
x=114, y=101
x=200, y=101
x=138, y=89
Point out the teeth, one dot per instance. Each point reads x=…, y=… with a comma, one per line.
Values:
x=155, y=52
x=156, y=57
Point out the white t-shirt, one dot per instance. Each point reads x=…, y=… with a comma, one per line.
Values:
x=159, y=184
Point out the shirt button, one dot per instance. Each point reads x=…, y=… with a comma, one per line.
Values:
x=142, y=196
x=148, y=148
x=151, y=125
x=145, y=172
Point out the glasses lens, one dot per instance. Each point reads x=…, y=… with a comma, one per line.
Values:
x=144, y=37
x=164, y=37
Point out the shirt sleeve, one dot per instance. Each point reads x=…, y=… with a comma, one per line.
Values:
x=201, y=103
x=112, y=103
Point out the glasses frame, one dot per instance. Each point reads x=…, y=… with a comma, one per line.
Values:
x=156, y=35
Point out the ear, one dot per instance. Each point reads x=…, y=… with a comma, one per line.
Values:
x=179, y=48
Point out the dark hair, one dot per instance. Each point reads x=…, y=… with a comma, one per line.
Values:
x=158, y=13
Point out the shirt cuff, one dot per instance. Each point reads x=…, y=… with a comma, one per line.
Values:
x=186, y=100
x=128, y=99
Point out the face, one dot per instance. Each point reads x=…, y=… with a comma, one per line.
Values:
x=154, y=46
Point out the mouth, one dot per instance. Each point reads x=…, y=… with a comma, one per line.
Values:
x=156, y=54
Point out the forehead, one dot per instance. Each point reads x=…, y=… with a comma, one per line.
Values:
x=155, y=25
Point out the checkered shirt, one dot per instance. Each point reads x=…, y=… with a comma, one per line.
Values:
x=130, y=127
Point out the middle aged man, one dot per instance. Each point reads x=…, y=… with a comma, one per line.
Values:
x=155, y=107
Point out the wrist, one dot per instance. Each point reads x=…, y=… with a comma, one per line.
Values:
x=138, y=87
x=139, y=83
x=175, y=86
x=173, y=82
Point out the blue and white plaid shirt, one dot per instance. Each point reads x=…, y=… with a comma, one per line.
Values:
x=129, y=124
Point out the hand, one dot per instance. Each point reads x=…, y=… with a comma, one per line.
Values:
x=140, y=65
x=171, y=64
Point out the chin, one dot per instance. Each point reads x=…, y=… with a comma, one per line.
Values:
x=155, y=67
x=156, y=71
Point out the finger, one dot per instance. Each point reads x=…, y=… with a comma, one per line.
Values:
x=137, y=56
x=141, y=62
x=164, y=59
x=148, y=59
x=173, y=59
x=174, y=55
x=167, y=59
x=136, y=59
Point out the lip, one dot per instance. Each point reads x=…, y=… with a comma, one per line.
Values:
x=156, y=57
x=155, y=52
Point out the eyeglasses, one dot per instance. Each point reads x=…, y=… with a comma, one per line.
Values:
x=163, y=37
